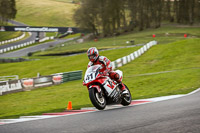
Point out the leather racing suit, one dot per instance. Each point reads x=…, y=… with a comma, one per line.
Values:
x=107, y=69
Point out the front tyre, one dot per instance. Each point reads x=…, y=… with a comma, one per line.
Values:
x=97, y=100
x=126, y=99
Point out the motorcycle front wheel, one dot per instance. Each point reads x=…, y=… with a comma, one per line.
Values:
x=97, y=100
x=126, y=100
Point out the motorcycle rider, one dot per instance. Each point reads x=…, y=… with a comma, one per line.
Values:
x=96, y=59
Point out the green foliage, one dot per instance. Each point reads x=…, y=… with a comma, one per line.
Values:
x=7, y=10
x=110, y=16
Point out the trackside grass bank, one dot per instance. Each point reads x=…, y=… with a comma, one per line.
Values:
x=50, y=65
x=52, y=12
x=181, y=58
x=9, y=35
x=164, y=35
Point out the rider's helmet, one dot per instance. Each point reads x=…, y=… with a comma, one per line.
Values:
x=93, y=54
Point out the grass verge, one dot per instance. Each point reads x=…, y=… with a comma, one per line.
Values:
x=182, y=56
x=164, y=35
x=48, y=12
x=9, y=35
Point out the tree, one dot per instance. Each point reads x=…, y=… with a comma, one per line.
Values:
x=7, y=10
x=191, y=11
x=87, y=16
x=111, y=16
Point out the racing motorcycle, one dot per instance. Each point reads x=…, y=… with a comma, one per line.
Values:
x=103, y=90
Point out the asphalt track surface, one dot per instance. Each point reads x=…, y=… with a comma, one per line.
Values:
x=180, y=115
x=30, y=38
x=25, y=51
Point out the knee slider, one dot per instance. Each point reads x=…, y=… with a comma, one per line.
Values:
x=116, y=76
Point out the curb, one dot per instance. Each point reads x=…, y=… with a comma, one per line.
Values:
x=92, y=109
x=5, y=50
x=13, y=40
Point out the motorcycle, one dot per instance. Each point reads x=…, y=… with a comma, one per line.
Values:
x=103, y=90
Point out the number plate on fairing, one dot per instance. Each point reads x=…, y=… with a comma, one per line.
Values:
x=91, y=73
x=90, y=77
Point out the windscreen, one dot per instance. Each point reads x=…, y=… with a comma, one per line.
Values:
x=91, y=73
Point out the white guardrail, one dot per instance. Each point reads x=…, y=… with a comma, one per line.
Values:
x=5, y=78
x=14, y=39
x=21, y=85
x=23, y=45
x=126, y=59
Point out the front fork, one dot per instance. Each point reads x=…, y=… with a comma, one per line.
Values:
x=98, y=88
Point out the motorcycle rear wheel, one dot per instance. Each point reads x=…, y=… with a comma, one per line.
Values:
x=126, y=100
x=98, y=101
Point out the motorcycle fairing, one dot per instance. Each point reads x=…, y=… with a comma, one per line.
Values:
x=95, y=86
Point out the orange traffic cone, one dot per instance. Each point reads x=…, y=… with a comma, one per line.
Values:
x=69, y=107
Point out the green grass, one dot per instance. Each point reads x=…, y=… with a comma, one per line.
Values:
x=45, y=12
x=53, y=98
x=164, y=35
x=174, y=52
x=66, y=1
x=42, y=13
x=9, y=35
x=182, y=56
x=52, y=65
x=178, y=82
x=49, y=99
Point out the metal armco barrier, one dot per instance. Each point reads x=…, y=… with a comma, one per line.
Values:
x=69, y=76
x=10, y=86
x=9, y=60
x=124, y=60
x=59, y=78
x=11, y=77
x=13, y=86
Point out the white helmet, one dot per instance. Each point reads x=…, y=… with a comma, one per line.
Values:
x=93, y=54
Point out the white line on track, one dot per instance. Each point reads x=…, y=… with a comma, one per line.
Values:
x=136, y=102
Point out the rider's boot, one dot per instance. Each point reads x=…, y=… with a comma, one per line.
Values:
x=118, y=79
x=123, y=89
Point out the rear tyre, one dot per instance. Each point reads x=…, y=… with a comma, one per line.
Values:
x=98, y=101
x=126, y=99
